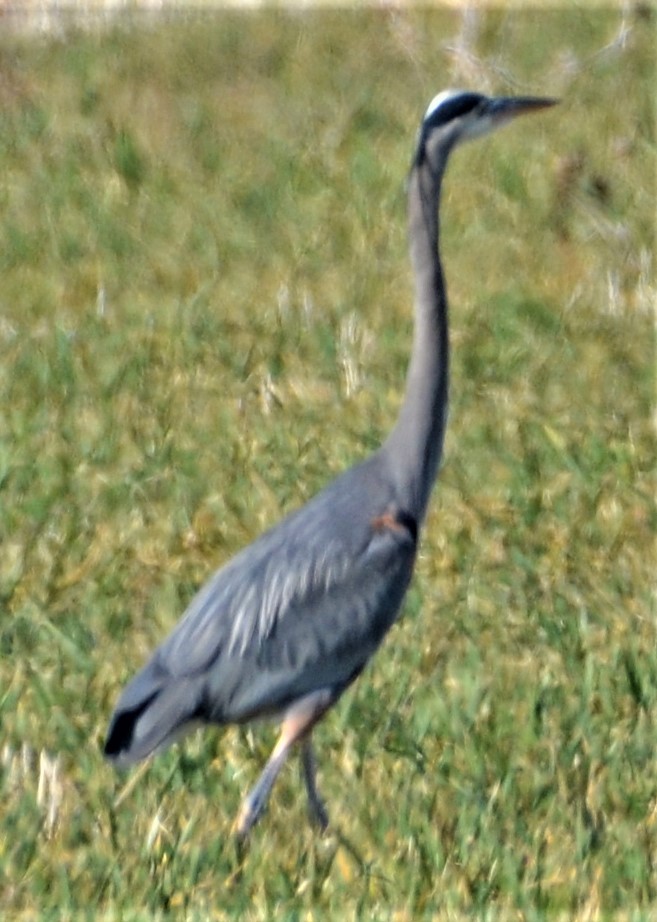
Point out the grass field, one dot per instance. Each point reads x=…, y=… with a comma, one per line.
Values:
x=204, y=315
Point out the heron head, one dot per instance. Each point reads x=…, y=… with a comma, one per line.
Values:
x=454, y=116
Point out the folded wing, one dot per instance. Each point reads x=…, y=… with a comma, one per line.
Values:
x=302, y=608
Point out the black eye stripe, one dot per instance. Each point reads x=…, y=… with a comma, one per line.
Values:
x=452, y=108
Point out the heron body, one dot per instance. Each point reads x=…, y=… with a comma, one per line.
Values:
x=285, y=626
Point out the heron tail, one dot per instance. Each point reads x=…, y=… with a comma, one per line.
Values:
x=153, y=711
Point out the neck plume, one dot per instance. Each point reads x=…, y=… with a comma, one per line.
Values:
x=415, y=444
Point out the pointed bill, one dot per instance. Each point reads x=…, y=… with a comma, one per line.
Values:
x=504, y=108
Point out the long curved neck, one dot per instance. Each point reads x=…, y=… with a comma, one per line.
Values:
x=414, y=446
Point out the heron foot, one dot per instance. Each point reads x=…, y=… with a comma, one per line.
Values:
x=318, y=814
x=250, y=812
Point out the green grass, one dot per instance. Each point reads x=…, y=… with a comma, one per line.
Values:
x=204, y=315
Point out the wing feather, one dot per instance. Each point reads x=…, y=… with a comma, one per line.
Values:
x=315, y=576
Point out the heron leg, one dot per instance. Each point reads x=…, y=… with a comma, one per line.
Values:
x=316, y=806
x=255, y=802
x=297, y=724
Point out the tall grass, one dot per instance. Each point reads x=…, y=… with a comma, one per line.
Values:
x=204, y=315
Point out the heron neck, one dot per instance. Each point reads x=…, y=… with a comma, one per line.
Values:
x=416, y=442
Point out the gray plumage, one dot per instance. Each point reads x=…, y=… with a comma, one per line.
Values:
x=285, y=626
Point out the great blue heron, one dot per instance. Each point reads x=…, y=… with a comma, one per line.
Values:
x=287, y=625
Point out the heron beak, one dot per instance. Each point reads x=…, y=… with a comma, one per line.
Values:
x=504, y=108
